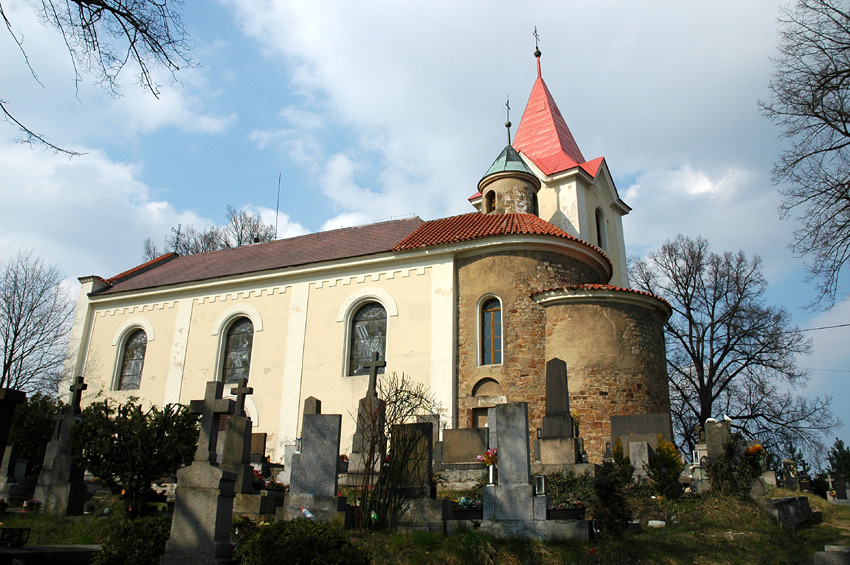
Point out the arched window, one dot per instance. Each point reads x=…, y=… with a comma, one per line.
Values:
x=132, y=361
x=491, y=332
x=237, y=351
x=490, y=202
x=368, y=335
x=601, y=230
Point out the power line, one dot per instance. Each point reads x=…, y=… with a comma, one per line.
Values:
x=825, y=328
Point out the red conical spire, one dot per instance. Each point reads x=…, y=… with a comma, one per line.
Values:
x=543, y=135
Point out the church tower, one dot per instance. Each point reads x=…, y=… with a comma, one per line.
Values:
x=576, y=195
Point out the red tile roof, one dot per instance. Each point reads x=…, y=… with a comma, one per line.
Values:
x=543, y=135
x=313, y=248
x=476, y=226
x=605, y=287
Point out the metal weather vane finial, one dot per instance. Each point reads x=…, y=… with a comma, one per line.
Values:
x=508, y=121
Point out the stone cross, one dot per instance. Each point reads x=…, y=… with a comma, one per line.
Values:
x=373, y=366
x=210, y=408
x=241, y=391
x=59, y=417
x=77, y=389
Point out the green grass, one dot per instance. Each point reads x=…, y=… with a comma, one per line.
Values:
x=706, y=529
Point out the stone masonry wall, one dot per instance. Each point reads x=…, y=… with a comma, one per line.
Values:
x=616, y=363
x=512, y=276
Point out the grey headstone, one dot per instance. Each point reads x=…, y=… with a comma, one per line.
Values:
x=651, y=425
x=412, y=448
x=312, y=405
x=236, y=455
x=463, y=445
x=60, y=482
x=717, y=435
x=288, y=452
x=369, y=435
x=639, y=453
x=434, y=420
x=513, y=453
x=314, y=469
x=557, y=423
x=840, y=488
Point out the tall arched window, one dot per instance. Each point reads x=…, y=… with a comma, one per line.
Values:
x=368, y=335
x=132, y=361
x=237, y=351
x=491, y=332
x=601, y=230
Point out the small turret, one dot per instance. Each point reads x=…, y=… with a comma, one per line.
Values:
x=509, y=186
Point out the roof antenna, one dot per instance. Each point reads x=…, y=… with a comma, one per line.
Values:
x=537, y=52
x=277, y=207
x=508, y=122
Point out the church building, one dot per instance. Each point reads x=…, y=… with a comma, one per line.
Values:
x=472, y=306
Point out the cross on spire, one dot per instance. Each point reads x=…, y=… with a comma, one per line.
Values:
x=373, y=366
x=241, y=390
x=77, y=389
x=508, y=120
x=210, y=408
x=537, y=52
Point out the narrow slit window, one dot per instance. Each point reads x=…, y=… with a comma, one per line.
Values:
x=491, y=332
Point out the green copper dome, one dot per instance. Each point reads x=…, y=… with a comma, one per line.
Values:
x=508, y=160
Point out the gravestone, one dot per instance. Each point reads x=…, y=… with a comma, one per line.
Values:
x=790, y=479
x=558, y=444
x=463, y=445
x=840, y=488
x=203, y=510
x=313, y=483
x=639, y=454
x=312, y=405
x=368, y=444
x=60, y=483
x=14, y=486
x=717, y=435
x=258, y=448
x=412, y=449
x=512, y=498
x=641, y=427
x=9, y=399
x=236, y=455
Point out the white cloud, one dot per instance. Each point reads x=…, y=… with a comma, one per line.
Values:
x=86, y=213
x=345, y=220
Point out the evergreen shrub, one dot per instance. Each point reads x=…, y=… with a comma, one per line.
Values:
x=663, y=469
x=299, y=542
x=136, y=542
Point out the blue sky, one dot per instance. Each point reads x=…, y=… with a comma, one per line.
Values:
x=381, y=109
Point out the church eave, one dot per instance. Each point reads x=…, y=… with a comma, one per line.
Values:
x=603, y=293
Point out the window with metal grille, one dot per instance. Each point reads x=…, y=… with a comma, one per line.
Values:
x=368, y=335
x=237, y=351
x=491, y=332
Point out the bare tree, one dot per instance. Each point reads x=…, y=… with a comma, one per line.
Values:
x=811, y=103
x=35, y=316
x=242, y=228
x=727, y=351
x=102, y=37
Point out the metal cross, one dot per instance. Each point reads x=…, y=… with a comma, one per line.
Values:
x=373, y=366
x=508, y=121
x=177, y=232
x=77, y=388
x=536, y=39
x=241, y=391
x=210, y=408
